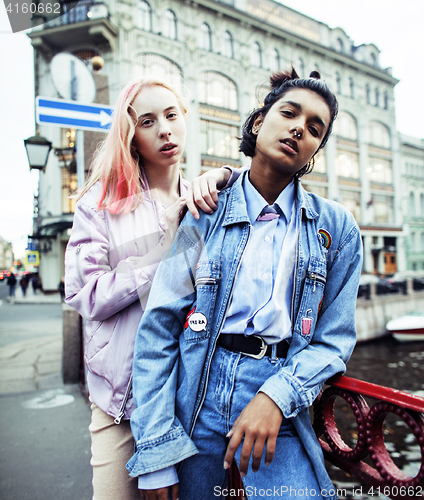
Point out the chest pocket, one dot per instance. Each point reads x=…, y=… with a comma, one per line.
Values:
x=313, y=292
x=198, y=322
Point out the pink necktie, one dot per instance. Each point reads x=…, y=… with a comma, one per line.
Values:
x=268, y=213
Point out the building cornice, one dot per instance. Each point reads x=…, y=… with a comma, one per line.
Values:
x=261, y=25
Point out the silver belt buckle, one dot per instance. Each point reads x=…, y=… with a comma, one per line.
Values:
x=262, y=351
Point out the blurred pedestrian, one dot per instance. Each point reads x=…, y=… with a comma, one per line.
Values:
x=61, y=288
x=11, y=282
x=24, y=284
x=125, y=219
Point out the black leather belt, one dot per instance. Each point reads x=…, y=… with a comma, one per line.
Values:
x=253, y=345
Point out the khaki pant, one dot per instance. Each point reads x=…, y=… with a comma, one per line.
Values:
x=112, y=446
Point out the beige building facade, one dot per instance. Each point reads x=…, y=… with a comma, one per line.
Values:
x=222, y=54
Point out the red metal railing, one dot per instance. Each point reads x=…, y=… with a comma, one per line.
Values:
x=383, y=476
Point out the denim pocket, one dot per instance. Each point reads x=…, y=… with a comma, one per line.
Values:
x=198, y=321
x=313, y=292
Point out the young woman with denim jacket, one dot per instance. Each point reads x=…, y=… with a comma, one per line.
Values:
x=124, y=221
x=249, y=315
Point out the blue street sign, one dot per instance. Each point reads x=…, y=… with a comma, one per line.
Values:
x=72, y=114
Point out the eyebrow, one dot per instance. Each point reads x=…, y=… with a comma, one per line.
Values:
x=150, y=113
x=316, y=118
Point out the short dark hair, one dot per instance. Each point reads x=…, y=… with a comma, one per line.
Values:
x=281, y=83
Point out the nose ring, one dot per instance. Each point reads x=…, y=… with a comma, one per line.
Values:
x=296, y=133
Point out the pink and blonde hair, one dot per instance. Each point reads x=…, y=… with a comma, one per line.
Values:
x=116, y=163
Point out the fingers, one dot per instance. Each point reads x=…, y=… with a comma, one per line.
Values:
x=172, y=213
x=190, y=202
x=245, y=455
x=232, y=446
x=175, y=491
x=203, y=194
x=270, y=449
x=257, y=454
x=258, y=424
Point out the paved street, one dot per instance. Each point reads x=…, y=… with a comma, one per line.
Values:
x=45, y=452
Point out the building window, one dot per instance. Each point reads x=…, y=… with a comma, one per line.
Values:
x=422, y=242
x=300, y=67
x=373, y=59
x=257, y=98
x=206, y=37
x=338, y=83
x=352, y=201
x=217, y=90
x=275, y=61
x=257, y=55
x=153, y=64
x=170, y=25
x=345, y=126
x=413, y=242
x=228, y=45
x=377, y=98
x=379, y=135
x=144, y=16
x=383, y=209
x=411, y=204
x=347, y=164
x=386, y=100
x=422, y=208
x=351, y=88
x=368, y=92
x=380, y=170
x=219, y=139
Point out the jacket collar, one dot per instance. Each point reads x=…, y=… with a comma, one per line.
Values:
x=236, y=210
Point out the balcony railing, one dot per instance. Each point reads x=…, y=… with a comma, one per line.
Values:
x=81, y=12
x=380, y=475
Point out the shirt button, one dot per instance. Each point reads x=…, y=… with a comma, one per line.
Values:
x=267, y=238
x=265, y=276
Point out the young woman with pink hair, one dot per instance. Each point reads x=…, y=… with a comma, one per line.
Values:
x=125, y=220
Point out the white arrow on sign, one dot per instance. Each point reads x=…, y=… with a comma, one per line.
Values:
x=73, y=114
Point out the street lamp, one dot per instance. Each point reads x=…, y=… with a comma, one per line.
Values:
x=38, y=149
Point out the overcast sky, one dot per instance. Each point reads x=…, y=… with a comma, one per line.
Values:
x=394, y=26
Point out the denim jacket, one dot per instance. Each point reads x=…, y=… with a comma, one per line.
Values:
x=173, y=354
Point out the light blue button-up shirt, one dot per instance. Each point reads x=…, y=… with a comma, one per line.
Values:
x=253, y=305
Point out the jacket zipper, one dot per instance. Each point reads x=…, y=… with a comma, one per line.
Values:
x=77, y=251
x=316, y=277
x=295, y=272
x=220, y=328
x=205, y=281
x=124, y=403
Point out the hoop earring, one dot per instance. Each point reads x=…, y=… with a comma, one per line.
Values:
x=311, y=164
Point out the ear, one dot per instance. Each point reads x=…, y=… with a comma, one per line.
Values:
x=257, y=124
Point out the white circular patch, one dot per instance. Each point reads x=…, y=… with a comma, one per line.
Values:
x=50, y=399
x=197, y=322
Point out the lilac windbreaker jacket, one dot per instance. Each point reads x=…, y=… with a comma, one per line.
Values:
x=110, y=262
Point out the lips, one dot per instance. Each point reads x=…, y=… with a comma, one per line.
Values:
x=292, y=145
x=168, y=147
